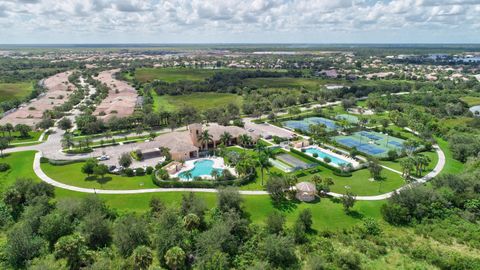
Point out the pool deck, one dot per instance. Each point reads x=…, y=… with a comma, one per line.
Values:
x=348, y=159
x=218, y=163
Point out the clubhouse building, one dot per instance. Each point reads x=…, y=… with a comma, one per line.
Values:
x=184, y=145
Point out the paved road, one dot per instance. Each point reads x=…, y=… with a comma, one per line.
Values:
x=38, y=171
x=45, y=178
x=52, y=149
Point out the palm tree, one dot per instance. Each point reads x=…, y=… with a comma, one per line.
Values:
x=264, y=163
x=67, y=140
x=225, y=138
x=215, y=174
x=244, y=140
x=259, y=147
x=188, y=175
x=9, y=128
x=407, y=167
x=205, y=138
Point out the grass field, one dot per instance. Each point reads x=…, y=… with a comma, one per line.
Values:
x=451, y=165
x=285, y=82
x=172, y=74
x=34, y=136
x=360, y=183
x=471, y=101
x=327, y=213
x=397, y=163
x=71, y=174
x=15, y=90
x=199, y=101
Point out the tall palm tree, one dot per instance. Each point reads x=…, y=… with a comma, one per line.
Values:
x=67, y=140
x=188, y=175
x=225, y=138
x=215, y=174
x=264, y=163
x=205, y=138
x=244, y=140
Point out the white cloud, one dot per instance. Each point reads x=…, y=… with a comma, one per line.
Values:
x=234, y=20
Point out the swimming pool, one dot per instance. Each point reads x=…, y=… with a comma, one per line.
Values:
x=200, y=168
x=321, y=155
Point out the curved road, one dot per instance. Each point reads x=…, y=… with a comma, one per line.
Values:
x=38, y=171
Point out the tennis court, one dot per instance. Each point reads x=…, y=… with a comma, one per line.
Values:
x=349, y=118
x=295, y=162
x=371, y=143
x=304, y=124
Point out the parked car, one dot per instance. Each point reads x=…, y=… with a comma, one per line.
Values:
x=103, y=157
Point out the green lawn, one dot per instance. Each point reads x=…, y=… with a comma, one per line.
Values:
x=471, y=101
x=327, y=214
x=71, y=174
x=397, y=166
x=286, y=82
x=34, y=136
x=172, y=74
x=452, y=165
x=199, y=101
x=15, y=90
x=360, y=183
x=21, y=164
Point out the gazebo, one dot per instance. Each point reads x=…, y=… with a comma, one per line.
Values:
x=306, y=191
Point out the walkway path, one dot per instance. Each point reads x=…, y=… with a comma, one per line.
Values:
x=38, y=171
x=52, y=148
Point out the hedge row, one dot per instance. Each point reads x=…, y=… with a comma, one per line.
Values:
x=60, y=162
x=200, y=184
x=335, y=170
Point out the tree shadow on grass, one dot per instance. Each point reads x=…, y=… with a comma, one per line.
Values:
x=100, y=180
x=355, y=214
x=286, y=205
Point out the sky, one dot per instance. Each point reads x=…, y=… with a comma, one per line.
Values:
x=239, y=21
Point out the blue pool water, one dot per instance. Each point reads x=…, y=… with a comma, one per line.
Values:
x=322, y=155
x=201, y=167
x=304, y=124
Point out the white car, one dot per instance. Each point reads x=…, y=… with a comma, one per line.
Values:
x=103, y=157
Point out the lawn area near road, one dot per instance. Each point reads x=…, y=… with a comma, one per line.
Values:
x=199, y=101
x=451, y=165
x=172, y=74
x=327, y=214
x=396, y=165
x=21, y=165
x=34, y=136
x=71, y=174
x=359, y=182
x=15, y=90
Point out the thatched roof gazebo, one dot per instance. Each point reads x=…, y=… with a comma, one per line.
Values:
x=306, y=191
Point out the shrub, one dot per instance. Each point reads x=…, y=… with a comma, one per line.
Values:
x=315, y=155
x=327, y=159
x=163, y=174
x=139, y=172
x=129, y=172
x=149, y=170
x=4, y=167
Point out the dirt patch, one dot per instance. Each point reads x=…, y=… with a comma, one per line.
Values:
x=58, y=89
x=121, y=99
